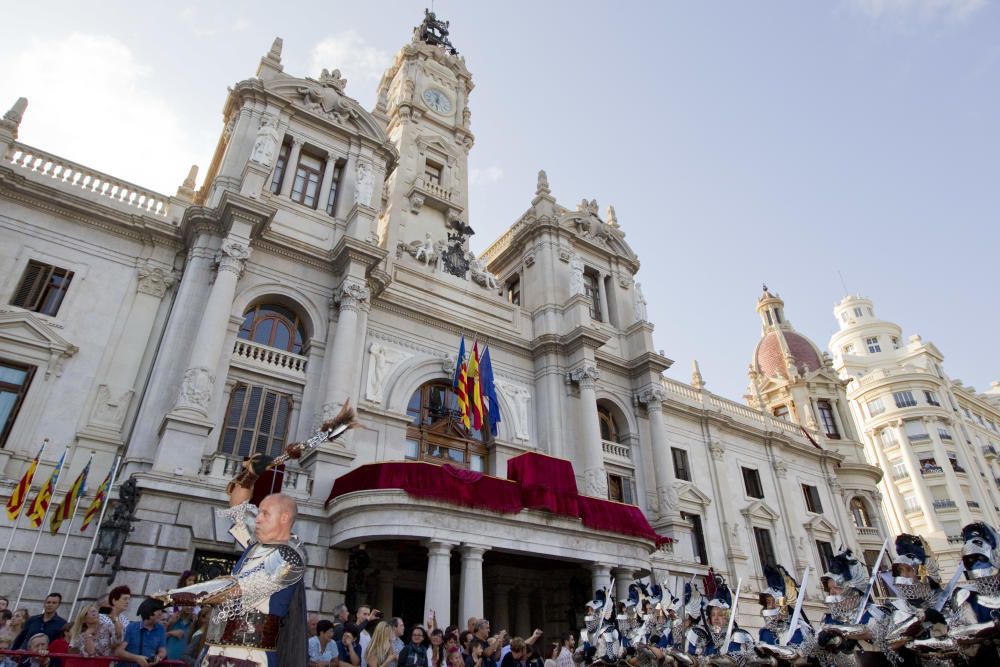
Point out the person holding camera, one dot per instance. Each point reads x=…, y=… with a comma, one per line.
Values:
x=145, y=643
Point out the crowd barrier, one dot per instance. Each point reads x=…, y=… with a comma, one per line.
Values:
x=74, y=660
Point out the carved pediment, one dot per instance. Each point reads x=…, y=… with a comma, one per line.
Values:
x=758, y=509
x=819, y=525
x=692, y=494
x=25, y=330
x=586, y=224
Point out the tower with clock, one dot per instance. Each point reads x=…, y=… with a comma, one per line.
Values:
x=423, y=100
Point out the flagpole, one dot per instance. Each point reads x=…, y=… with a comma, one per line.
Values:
x=69, y=528
x=93, y=540
x=17, y=521
x=38, y=537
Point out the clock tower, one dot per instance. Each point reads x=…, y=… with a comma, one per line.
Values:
x=423, y=100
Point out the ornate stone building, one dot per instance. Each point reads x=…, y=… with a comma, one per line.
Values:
x=327, y=257
x=936, y=439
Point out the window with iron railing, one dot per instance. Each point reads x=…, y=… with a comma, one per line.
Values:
x=904, y=399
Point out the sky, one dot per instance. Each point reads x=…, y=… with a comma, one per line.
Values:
x=823, y=148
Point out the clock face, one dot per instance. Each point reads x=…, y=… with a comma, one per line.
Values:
x=437, y=101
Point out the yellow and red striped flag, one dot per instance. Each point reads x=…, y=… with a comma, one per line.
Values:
x=95, y=504
x=474, y=390
x=66, y=508
x=40, y=505
x=459, y=383
x=16, y=500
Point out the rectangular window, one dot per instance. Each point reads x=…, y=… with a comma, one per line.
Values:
x=813, y=503
x=825, y=554
x=904, y=399
x=899, y=471
x=697, y=537
x=14, y=382
x=42, y=288
x=910, y=503
x=590, y=289
x=858, y=312
x=895, y=342
x=873, y=346
x=432, y=173
x=751, y=482
x=943, y=432
x=621, y=489
x=953, y=460
x=875, y=407
x=826, y=418
x=331, y=199
x=765, y=547
x=870, y=556
x=280, y=165
x=887, y=437
x=308, y=175
x=514, y=290
x=915, y=430
x=681, y=468
x=781, y=412
x=256, y=421
x=932, y=398
x=929, y=466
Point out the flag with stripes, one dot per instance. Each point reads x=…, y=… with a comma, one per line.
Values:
x=474, y=389
x=66, y=508
x=16, y=500
x=40, y=505
x=95, y=504
x=459, y=383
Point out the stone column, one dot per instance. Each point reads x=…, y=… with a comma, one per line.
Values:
x=437, y=595
x=199, y=378
x=605, y=313
x=383, y=592
x=501, y=607
x=896, y=504
x=293, y=162
x=344, y=357
x=663, y=465
x=324, y=187
x=345, y=198
x=522, y=617
x=924, y=497
x=600, y=576
x=623, y=579
x=470, y=601
x=591, y=451
x=950, y=476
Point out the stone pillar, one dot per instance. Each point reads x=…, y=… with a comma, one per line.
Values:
x=383, y=592
x=522, y=617
x=600, y=576
x=437, y=595
x=950, y=476
x=663, y=465
x=896, y=504
x=501, y=607
x=470, y=602
x=605, y=313
x=293, y=162
x=623, y=579
x=591, y=452
x=924, y=498
x=324, y=188
x=344, y=357
x=345, y=198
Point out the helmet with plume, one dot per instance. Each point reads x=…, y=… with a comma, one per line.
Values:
x=780, y=586
x=846, y=572
x=980, y=556
x=914, y=551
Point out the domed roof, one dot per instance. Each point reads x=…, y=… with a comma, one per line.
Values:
x=770, y=361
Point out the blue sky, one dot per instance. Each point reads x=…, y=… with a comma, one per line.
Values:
x=740, y=142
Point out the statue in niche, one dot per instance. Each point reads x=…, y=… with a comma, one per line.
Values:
x=383, y=359
x=639, y=304
x=364, y=184
x=576, y=275
x=266, y=144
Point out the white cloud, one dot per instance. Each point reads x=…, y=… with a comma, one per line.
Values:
x=485, y=175
x=359, y=62
x=107, y=114
x=926, y=10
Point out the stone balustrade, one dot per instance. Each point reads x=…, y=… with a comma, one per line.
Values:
x=867, y=531
x=108, y=189
x=616, y=450
x=224, y=467
x=269, y=360
x=435, y=190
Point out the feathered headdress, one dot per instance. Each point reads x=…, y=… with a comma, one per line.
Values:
x=600, y=599
x=845, y=571
x=914, y=551
x=980, y=549
x=780, y=585
x=692, y=600
x=721, y=596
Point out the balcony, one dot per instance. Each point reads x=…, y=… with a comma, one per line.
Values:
x=425, y=192
x=929, y=470
x=224, y=467
x=269, y=360
x=990, y=452
x=945, y=505
x=867, y=531
x=956, y=539
x=617, y=452
x=972, y=504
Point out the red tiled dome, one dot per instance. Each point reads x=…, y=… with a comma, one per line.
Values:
x=770, y=361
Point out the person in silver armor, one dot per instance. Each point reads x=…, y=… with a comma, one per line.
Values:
x=259, y=610
x=976, y=602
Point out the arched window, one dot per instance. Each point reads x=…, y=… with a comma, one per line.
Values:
x=859, y=511
x=436, y=432
x=275, y=326
x=609, y=427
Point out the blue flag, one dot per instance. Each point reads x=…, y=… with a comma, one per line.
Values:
x=489, y=390
x=458, y=363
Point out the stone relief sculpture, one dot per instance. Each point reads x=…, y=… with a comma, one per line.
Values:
x=383, y=360
x=425, y=250
x=364, y=184
x=480, y=275
x=596, y=483
x=639, y=304
x=266, y=144
x=576, y=275
x=196, y=389
x=519, y=398
x=329, y=96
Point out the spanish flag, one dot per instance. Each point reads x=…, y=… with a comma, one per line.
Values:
x=474, y=390
x=16, y=500
x=67, y=507
x=40, y=505
x=95, y=504
x=459, y=383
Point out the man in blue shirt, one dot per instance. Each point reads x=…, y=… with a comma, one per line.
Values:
x=145, y=643
x=49, y=623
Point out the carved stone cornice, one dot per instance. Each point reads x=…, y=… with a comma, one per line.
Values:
x=585, y=376
x=350, y=250
x=651, y=398
x=232, y=256
x=354, y=296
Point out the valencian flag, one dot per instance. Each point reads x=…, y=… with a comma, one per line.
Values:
x=473, y=390
x=16, y=500
x=489, y=390
x=66, y=508
x=458, y=383
x=40, y=505
x=95, y=504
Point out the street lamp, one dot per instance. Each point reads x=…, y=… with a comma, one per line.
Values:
x=115, y=529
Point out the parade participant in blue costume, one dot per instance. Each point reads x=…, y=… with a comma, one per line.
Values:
x=979, y=598
x=778, y=601
x=709, y=637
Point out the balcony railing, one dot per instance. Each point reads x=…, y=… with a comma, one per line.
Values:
x=616, y=450
x=972, y=504
x=955, y=539
x=931, y=470
x=944, y=504
x=867, y=531
x=269, y=360
x=989, y=451
x=224, y=467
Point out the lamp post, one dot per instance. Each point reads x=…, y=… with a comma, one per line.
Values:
x=115, y=529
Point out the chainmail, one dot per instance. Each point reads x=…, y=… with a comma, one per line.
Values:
x=718, y=639
x=919, y=595
x=880, y=637
x=988, y=586
x=777, y=625
x=256, y=585
x=744, y=656
x=811, y=649
x=592, y=622
x=845, y=611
